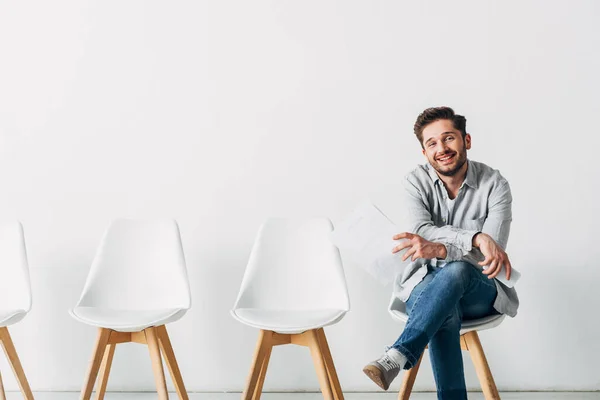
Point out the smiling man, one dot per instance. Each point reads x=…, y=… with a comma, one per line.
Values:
x=460, y=213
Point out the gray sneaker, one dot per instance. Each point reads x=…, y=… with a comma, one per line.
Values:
x=382, y=371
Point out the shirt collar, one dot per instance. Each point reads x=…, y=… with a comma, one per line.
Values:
x=470, y=179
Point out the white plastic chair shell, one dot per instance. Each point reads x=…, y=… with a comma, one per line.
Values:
x=138, y=278
x=15, y=285
x=294, y=280
x=397, y=309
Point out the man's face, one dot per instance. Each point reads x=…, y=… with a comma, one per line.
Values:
x=444, y=147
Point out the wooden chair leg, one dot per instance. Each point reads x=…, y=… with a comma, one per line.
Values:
x=409, y=380
x=169, y=355
x=97, y=356
x=316, y=352
x=2, y=394
x=261, y=354
x=329, y=366
x=482, y=368
x=15, y=363
x=263, y=374
x=105, y=371
x=157, y=367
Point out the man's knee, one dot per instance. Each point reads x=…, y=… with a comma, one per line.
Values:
x=457, y=272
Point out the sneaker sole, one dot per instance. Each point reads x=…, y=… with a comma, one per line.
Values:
x=375, y=375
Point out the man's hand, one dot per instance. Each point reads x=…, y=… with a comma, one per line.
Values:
x=495, y=257
x=418, y=247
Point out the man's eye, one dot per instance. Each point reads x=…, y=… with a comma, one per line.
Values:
x=449, y=138
x=431, y=144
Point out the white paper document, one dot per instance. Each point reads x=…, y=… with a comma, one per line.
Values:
x=366, y=236
x=514, y=276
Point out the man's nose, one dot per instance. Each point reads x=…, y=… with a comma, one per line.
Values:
x=441, y=148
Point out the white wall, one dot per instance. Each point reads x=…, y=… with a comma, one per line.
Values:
x=223, y=113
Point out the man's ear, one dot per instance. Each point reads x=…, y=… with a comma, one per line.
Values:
x=468, y=141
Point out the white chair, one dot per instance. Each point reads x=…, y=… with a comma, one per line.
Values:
x=469, y=340
x=137, y=283
x=294, y=285
x=15, y=295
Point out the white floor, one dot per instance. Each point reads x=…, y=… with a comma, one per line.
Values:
x=313, y=396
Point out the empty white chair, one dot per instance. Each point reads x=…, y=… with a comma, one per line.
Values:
x=293, y=286
x=15, y=295
x=469, y=340
x=137, y=283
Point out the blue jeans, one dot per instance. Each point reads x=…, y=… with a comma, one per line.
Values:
x=436, y=307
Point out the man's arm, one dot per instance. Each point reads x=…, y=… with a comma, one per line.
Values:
x=496, y=226
x=462, y=244
x=493, y=240
x=457, y=241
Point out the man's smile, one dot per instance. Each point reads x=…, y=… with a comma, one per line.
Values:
x=446, y=158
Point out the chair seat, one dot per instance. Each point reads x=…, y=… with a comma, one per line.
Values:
x=126, y=320
x=287, y=321
x=9, y=317
x=479, y=324
x=397, y=309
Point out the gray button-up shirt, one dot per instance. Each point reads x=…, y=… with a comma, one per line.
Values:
x=483, y=204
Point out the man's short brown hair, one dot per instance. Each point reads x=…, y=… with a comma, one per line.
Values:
x=435, y=114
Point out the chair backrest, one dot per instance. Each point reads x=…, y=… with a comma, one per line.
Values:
x=139, y=265
x=15, y=286
x=294, y=266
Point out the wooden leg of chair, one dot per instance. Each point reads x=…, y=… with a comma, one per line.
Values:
x=329, y=366
x=97, y=356
x=409, y=380
x=105, y=371
x=157, y=367
x=15, y=363
x=316, y=352
x=482, y=368
x=169, y=355
x=263, y=374
x=2, y=394
x=261, y=352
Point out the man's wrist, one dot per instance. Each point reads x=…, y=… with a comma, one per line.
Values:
x=442, y=252
x=476, y=239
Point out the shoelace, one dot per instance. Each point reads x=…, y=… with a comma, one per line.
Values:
x=386, y=361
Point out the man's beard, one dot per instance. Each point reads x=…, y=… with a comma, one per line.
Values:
x=461, y=160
